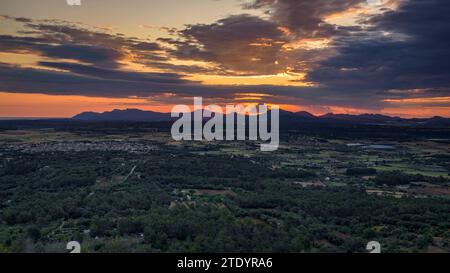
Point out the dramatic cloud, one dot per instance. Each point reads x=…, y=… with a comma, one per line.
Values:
x=291, y=40
x=380, y=58
x=241, y=43
x=56, y=39
x=305, y=18
x=247, y=45
x=104, y=83
x=405, y=49
x=94, y=72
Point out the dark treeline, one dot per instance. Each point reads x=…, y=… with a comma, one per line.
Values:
x=316, y=127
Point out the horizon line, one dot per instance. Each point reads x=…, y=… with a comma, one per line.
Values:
x=3, y=118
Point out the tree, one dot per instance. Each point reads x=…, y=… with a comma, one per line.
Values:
x=34, y=233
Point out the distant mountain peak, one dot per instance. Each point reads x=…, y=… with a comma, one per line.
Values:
x=287, y=116
x=123, y=115
x=305, y=114
x=361, y=117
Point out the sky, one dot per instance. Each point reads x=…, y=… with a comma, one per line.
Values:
x=342, y=56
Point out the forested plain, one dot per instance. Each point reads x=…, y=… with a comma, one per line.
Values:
x=197, y=197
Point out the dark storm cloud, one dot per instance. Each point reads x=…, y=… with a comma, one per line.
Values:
x=65, y=33
x=85, y=80
x=190, y=69
x=242, y=43
x=100, y=56
x=16, y=79
x=17, y=19
x=68, y=41
x=305, y=17
x=95, y=72
x=250, y=45
x=406, y=49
